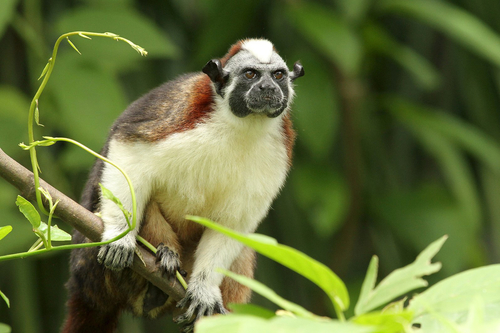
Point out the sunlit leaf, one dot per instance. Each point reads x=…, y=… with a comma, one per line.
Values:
x=250, y=309
x=278, y=324
x=315, y=271
x=455, y=297
x=400, y=281
x=4, y=231
x=268, y=293
x=386, y=322
x=29, y=211
x=56, y=234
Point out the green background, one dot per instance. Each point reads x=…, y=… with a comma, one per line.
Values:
x=397, y=118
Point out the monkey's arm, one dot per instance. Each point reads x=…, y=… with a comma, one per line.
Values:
x=120, y=254
x=203, y=296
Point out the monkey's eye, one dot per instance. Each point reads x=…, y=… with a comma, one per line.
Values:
x=278, y=75
x=250, y=74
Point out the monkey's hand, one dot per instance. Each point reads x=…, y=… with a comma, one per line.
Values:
x=200, y=300
x=117, y=255
x=168, y=261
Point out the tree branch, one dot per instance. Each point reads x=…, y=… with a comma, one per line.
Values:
x=84, y=221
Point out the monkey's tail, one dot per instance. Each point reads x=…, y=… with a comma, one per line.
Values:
x=85, y=318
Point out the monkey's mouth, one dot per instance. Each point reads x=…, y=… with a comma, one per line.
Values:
x=267, y=104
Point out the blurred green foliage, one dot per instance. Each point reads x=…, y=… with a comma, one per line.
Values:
x=397, y=119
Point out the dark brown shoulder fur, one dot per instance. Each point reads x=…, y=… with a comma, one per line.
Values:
x=151, y=117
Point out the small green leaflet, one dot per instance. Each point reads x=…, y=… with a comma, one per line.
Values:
x=29, y=211
x=5, y=298
x=56, y=234
x=4, y=231
x=399, y=282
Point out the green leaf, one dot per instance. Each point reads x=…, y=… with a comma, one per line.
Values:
x=268, y=293
x=400, y=281
x=386, y=322
x=110, y=196
x=329, y=33
x=4, y=328
x=29, y=211
x=368, y=283
x=56, y=234
x=457, y=23
x=457, y=298
x=251, y=310
x=278, y=324
x=420, y=68
x=73, y=45
x=297, y=261
x=5, y=298
x=7, y=9
x=4, y=231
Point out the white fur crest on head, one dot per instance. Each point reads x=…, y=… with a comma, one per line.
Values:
x=262, y=49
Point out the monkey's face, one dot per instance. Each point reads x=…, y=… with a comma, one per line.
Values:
x=255, y=87
x=254, y=80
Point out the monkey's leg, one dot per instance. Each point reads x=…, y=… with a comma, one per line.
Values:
x=232, y=291
x=159, y=233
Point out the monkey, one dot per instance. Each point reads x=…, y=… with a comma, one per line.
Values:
x=217, y=144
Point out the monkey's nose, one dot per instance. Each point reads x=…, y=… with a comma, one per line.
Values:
x=268, y=87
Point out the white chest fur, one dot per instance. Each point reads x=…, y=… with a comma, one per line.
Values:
x=227, y=169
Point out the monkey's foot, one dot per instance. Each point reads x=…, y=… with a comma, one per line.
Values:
x=168, y=260
x=116, y=256
x=199, y=302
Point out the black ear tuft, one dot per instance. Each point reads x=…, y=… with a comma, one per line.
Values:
x=214, y=70
x=298, y=71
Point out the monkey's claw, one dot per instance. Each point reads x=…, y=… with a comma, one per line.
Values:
x=196, y=309
x=115, y=256
x=167, y=260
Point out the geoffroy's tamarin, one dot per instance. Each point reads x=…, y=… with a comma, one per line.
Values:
x=216, y=144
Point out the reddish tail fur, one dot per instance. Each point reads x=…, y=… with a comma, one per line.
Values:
x=83, y=318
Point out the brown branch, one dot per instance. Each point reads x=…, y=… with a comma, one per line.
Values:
x=83, y=220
